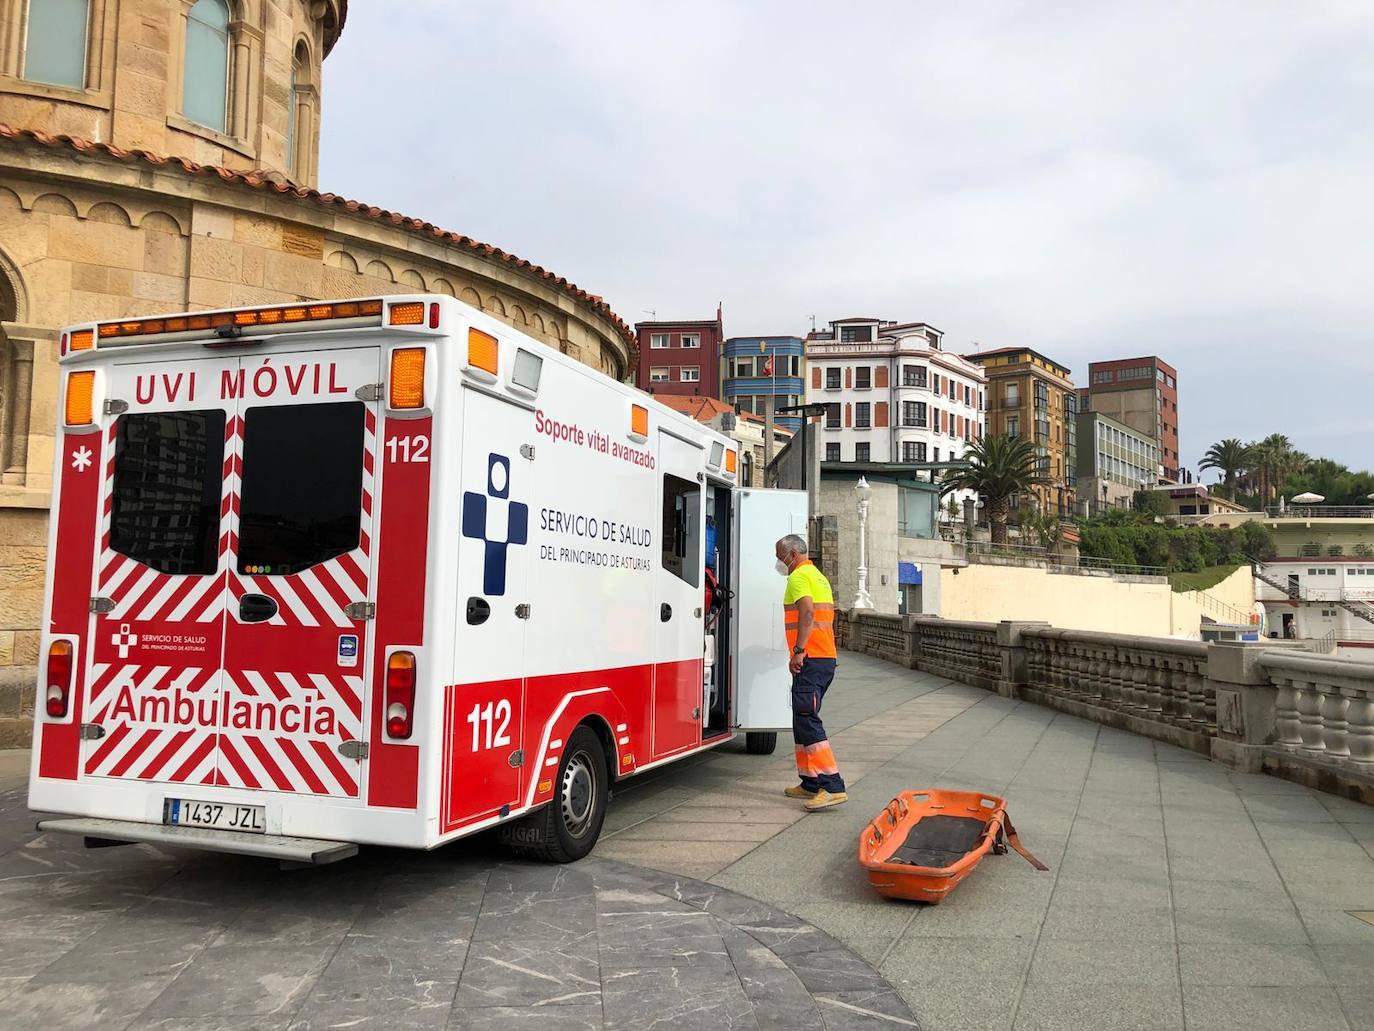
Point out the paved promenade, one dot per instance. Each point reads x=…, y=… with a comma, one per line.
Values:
x=1178, y=896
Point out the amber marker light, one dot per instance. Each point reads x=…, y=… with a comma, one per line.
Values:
x=79, y=409
x=407, y=378
x=483, y=351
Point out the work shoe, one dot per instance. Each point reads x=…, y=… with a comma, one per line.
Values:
x=797, y=791
x=824, y=800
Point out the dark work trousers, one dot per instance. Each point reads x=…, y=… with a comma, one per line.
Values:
x=815, y=759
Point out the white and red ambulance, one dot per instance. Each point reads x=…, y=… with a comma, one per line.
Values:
x=384, y=571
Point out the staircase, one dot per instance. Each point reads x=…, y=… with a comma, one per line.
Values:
x=1361, y=609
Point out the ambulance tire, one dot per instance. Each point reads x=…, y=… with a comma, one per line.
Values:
x=566, y=829
x=760, y=742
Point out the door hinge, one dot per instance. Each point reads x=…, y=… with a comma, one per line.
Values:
x=114, y=406
x=522, y=611
x=353, y=749
x=696, y=713
x=100, y=606
x=527, y=451
x=369, y=392
x=517, y=758
x=92, y=732
x=361, y=610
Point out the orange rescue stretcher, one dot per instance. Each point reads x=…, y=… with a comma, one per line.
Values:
x=925, y=842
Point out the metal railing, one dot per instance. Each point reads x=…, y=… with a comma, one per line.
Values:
x=985, y=553
x=1321, y=512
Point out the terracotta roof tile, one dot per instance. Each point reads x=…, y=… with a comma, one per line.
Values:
x=260, y=180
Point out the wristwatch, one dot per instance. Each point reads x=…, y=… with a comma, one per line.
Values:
x=798, y=651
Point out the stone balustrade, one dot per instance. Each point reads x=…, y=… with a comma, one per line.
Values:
x=1302, y=716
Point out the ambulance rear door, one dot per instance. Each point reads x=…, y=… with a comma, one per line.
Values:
x=762, y=685
x=300, y=588
x=158, y=591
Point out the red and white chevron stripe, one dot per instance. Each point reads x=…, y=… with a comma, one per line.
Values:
x=279, y=753
x=177, y=747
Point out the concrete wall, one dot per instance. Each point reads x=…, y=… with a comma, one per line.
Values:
x=994, y=593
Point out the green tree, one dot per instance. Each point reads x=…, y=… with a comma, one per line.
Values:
x=1150, y=502
x=999, y=467
x=1230, y=457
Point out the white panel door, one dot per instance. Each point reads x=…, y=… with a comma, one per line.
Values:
x=762, y=683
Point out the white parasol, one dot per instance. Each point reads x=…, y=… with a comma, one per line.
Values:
x=1308, y=499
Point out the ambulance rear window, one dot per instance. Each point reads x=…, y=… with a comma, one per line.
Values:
x=302, y=486
x=167, y=483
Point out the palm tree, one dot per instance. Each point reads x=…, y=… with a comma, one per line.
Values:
x=998, y=468
x=1275, y=459
x=1230, y=457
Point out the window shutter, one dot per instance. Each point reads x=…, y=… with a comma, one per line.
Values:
x=880, y=377
x=815, y=377
x=848, y=377
x=880, y=413
x=848, y=414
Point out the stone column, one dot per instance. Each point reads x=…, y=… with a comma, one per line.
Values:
x=1013, y=654
x=18, y=386
x=1247, y=705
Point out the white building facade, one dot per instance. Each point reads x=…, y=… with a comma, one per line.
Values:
x=892, y=394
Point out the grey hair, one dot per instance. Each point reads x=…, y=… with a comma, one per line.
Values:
x=792, y=542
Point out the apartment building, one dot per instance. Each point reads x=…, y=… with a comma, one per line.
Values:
x=1114, y=460
x=1032, y=396
x=760, y=371
x=892, y=394
x=1142, y=393
x=749, y=431
x=680, y=358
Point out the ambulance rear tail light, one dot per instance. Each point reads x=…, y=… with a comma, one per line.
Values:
x=407, y=384
x=483, y=351
x=58, y=693
x=79, y=409
x=400, y=694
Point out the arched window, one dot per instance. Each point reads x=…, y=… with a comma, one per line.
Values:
x=55, y=45
x=300, y=116
x=205, y=84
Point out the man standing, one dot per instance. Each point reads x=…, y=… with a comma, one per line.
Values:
x=809, y=619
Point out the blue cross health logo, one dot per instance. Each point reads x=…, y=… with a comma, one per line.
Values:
x=482, y=519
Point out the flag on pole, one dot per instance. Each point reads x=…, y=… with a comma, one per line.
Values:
x=768, y=366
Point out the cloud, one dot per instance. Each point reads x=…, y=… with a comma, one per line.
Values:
x=1092, y=180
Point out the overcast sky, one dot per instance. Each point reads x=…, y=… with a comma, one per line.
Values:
x=1093, y=180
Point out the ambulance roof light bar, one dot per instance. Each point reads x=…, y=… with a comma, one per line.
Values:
x=230, y=325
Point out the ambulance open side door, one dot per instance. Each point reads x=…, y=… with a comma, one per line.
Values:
x=762, y=686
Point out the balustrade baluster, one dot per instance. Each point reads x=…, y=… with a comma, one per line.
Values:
x=1197, y=697
x=1310, y=716
x=1287, y=720
x=1154, y=685
x=1335, y=706
x=1360, y=718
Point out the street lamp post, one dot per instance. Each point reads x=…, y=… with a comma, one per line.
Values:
x=863, y=492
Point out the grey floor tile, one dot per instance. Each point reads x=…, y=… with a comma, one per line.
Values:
x=1348, y=965
x=1263, y=1009
x=1068, y=1007
x=242, y=980
x=528, y=1018
x=1261, y=924
x=529, y=973
x=1261, y=966
x=686, y=998
x=1335, y=927
x=73, y=1004
x=1120, y=964
x=864, y=1011
x=1076, y=920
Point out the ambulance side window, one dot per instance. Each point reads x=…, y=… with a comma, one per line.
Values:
x=165, y=502
x=302, y=486
x=682, y=528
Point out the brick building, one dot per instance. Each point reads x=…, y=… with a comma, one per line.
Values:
x=1142, y=393
x=681, y=358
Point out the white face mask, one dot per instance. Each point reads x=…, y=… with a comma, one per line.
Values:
x=781, y=567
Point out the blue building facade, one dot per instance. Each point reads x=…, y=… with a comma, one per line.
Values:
x=745, y=381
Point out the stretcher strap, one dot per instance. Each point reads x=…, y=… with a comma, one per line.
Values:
x=1015, y=841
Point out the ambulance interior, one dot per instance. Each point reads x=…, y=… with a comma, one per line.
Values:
x=719, y=592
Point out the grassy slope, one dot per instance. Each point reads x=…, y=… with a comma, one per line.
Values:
x=1209, y=577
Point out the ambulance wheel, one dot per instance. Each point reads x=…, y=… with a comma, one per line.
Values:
x=566, y=829
x=759, y=742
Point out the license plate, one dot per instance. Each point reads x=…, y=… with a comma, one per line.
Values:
x=186, y=812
